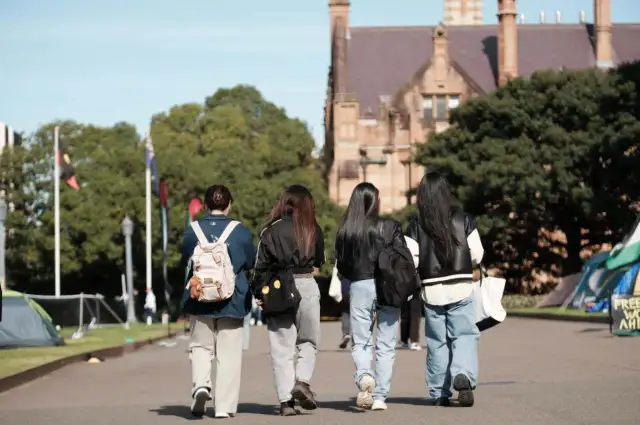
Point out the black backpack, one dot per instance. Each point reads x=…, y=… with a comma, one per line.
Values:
x=396, y=276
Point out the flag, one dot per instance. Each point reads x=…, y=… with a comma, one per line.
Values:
x=67, y=171
x=195, y=206
x=164, y=217
x=150, y=160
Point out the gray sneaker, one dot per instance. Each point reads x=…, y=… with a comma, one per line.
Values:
x=200, y=398
x=367, y=384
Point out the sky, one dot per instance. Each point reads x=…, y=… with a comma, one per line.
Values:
x=101, y=62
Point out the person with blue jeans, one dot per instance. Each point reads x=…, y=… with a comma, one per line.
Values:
x=450, y=246
x=216, y=328
x=361, y=234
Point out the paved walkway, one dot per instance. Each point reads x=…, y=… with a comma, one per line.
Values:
x=532, y=372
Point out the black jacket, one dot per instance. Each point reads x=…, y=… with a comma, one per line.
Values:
x=429, y=268
x=278, y=250
x=362, y=268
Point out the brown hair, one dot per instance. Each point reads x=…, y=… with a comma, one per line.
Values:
x=217, y=197
x=297, y=202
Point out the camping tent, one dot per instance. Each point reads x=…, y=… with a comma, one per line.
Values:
x=587, y=287
x=25, y=323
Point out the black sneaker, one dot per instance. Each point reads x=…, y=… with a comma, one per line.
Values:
x=345, y=341
x=303, y=394
x=462, y=384
x=288, y=408
x=200, y=398
x=443, y=402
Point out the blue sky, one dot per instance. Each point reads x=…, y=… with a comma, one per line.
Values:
x=124, y=60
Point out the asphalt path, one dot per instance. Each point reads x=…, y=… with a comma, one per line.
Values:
x=533, y=372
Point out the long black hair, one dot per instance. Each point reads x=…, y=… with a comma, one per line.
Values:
x=436, y=205
x=357, y=234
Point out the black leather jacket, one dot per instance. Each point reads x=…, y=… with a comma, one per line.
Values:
x=429, y=267
x=362, y=268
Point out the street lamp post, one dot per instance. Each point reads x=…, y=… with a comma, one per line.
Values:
x=127, y=231
x=365, y=161
x=3, y=217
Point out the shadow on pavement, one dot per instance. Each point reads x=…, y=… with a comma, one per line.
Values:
x=184, y=411
x=342, y=405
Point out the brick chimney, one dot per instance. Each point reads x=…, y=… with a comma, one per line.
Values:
x=338, y=9
x=507, y=41
x=602, y=24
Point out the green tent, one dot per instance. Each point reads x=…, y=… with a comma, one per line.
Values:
x=25, y=323
x=628, y=251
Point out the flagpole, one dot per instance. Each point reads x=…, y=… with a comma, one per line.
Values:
x=56, y=206
x=148, y=212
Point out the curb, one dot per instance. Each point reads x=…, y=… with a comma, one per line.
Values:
x=32, y=374
x=559, y=318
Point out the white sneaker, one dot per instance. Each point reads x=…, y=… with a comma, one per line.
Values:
x=259, y=323
x=366, y=385
x=415, y=346
x=200, y=398
x=222, y=415
x=379, y=405
x=252, y=321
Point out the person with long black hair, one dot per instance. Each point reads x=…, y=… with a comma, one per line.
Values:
x=292, y=242
x=450, y=246
x=360, y=237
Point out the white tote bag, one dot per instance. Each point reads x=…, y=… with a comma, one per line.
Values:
x=335, y=287
x=488, y=301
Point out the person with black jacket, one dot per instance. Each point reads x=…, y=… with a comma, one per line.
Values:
x=449, y=248
x=361, y=235
x=292, y=240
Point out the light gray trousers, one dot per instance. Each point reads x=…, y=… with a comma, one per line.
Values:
x=220, y=340
x=289, y=335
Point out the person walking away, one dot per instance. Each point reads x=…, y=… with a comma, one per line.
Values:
x=292, y=242
x=216, y=311
x=150, y=307
x=410, y=315
x=450, y=246
x=256, y=313
x=361, y=234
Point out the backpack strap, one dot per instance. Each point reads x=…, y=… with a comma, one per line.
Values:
x=227, y=231
x=199, y=233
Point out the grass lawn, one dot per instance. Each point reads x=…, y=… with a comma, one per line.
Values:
x=555, y=311
x=17, y=360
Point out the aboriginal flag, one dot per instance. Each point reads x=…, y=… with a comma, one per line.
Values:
x=67, y=172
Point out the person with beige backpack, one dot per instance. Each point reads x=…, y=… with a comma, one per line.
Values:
x=218, y=251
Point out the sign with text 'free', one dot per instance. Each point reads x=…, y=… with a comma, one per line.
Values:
x=625, y=315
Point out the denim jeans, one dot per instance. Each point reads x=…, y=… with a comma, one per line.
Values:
x=362, y=309
x=452, y=345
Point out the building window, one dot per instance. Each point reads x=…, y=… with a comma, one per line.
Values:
x=427, y=108
x=443, y=104
x=441, y=108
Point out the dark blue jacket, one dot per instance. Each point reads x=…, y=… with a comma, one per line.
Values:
x=242, y=253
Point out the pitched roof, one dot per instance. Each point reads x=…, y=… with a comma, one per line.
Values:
x=382, y=59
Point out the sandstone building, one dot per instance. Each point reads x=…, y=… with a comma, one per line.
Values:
x=390, y=87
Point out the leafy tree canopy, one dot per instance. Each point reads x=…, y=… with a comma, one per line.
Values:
x=235, y=137
x=546, y=163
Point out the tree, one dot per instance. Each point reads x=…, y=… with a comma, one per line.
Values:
x=239, y=139
x=236, y=138
x=540, y=163
x=110, y=169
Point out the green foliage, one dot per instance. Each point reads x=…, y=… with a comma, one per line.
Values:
x=553, y=152
x=227, y=140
